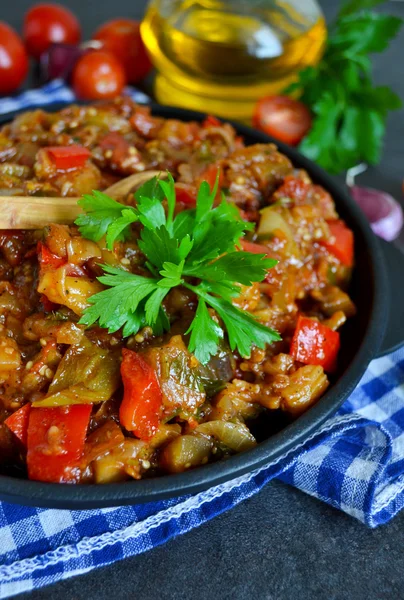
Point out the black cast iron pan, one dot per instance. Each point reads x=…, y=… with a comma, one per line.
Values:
x=377, y=329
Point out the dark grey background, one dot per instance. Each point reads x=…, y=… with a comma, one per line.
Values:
x=281, y=544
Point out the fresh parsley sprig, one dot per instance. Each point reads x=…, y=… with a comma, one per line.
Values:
x=349, y=111
x=196, y=249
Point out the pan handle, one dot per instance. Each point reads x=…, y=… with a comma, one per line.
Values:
x=394, y=264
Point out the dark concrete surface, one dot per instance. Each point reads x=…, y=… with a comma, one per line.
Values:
x=281, y=544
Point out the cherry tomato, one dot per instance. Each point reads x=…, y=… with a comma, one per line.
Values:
x=47, y=24
x=13, y=60
x=122, y=38
x=283, y=118
x=98, y=74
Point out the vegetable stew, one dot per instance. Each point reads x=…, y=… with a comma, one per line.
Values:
x=154, y=334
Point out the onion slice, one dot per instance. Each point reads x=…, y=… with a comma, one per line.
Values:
x=384, y=213
x=59, y=60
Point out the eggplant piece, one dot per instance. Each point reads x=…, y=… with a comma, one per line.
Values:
x=178, y=373
x=184, y=452
x=86, y=374
x=218, y=371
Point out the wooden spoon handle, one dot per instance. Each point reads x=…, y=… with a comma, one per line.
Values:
x=128, y=184
x=30, y=212
x=34, y=212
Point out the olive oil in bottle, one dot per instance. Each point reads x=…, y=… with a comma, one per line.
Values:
x=221, y=56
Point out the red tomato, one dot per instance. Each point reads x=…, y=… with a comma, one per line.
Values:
x=341, y=242
x=294, y=188
x=122, y=38
x=315, y=344
x=283, y=118
x=13, y=60
x=143, y=122
x=55, y=442
x=18, y=422
x=98, y=74
x=67, y=158
x=142, y=399
x=47, y=24
x=116, y=143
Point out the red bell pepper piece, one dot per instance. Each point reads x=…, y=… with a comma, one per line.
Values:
x=341, y=242
x=55, y=442
x=254, y=248
x=186, y=194
x=47, y=260
x=47, y=304
x=211, y=121
x=142, y=400
x=76, y=271
x=210, y=175
x=67, y=158
x=315, y=344
x=18, y=423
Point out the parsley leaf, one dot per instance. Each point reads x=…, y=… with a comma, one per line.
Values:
x=243, y=330
x=198, y=244
x=153, y=304
x=205, y=199
x=111, y=307
x=205, y=334
x=242, y=267
x=104, y=215
x=101, y=213
x=172, y=274
x=151, y=212
x=119, y=229
x=218, y=237
x=352, y=6
x=216, y=231
x=320, y=144
x=169, y=192
x=150, y=189
x=160, y=247
x=364, y=32
x=349, y=111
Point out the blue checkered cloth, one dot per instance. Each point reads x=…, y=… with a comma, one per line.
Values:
x=355, y=462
